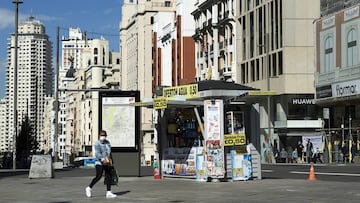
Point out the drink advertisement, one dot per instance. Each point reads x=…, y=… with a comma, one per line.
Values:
x=241, y=165
x=201, y=165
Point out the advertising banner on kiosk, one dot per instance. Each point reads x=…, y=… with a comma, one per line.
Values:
x=214, y=137
x=241, y=165
x=201, y=165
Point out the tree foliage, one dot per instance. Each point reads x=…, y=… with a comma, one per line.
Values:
x=26, y=143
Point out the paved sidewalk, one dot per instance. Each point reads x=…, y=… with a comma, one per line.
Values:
x=19, y=188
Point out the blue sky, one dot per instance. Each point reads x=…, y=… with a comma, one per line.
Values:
x=96, y=17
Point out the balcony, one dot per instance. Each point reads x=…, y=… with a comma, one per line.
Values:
x=221, y=45
x=225, y=71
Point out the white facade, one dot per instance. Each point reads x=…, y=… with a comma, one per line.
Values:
x=34, y=77
x=164, y=26
x=49, y=124
x=215, y=37
x=136, y=48
x=91, y=65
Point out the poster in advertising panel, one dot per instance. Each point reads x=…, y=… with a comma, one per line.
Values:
x=118, y=119
x=201, y=165
x=241, y=165
x=214, y=159
x=213, y=121
x=214, y=138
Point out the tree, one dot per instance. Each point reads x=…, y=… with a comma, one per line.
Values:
x=26, y=144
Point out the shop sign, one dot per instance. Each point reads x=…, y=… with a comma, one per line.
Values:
x=345, y=88
x=302, y=101
x=323, y=91
x=234, y=139
x=188, y=91
x=160, y=103
x=261, y=93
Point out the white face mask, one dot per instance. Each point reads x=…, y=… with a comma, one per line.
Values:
x=102, y=138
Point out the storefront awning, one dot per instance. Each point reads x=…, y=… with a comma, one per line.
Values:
x=171, y=103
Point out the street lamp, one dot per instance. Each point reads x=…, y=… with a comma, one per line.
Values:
x=268, y=82
x=16, y=2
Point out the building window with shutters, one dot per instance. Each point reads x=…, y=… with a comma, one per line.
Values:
x=351, y=48
x=329, y=55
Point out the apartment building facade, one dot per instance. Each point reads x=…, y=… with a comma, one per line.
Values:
x=268, y=45
x=337, y=73
x=34, y=81
x=215, y=36
x=136, y=58
x=5, y=140
x=87, y=64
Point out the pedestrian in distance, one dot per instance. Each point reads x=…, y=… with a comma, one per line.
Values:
x=300, y=148
x=317, y=156
x=295, y=156
x=353, y=152
x=309, y=150
x=283, y=155
x=103, y=163
x=345, y=152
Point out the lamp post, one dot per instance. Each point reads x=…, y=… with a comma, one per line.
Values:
x=56, y=134
x=268, y=84
x=16, y=2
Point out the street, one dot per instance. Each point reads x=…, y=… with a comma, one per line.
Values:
x=68, y=186
x=323, y=172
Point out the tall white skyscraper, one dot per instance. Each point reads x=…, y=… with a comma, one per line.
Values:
x=34, y=77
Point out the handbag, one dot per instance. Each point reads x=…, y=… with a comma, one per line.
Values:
x=114, y=176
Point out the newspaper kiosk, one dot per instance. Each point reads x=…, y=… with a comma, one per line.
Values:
x=190, y=127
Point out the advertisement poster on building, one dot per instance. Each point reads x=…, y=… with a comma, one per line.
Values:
x=201, y=165
x=316, y=140
x=241, y=165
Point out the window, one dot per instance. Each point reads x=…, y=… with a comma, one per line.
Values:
x=351, y=48
x=329, y=55
x=95, y=50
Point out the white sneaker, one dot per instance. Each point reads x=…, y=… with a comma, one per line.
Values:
x=109, y=194
x=88, y=191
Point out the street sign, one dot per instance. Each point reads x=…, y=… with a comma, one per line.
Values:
x=234, y=139
x=160, y=103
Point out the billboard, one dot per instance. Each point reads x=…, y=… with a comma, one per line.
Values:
x=120, y=118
